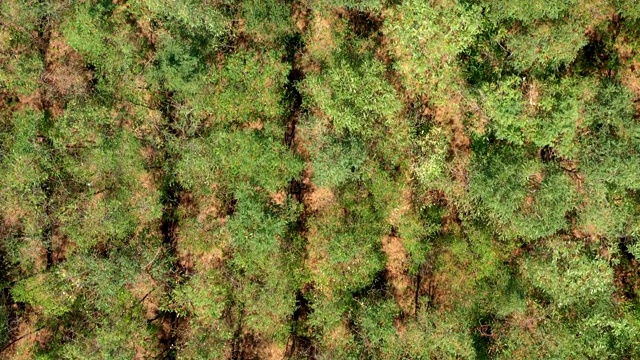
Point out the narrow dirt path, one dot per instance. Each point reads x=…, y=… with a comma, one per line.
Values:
x=300, y=345
x=170, y=323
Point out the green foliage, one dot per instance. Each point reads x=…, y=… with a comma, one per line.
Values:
x=25, y=160
x=245, y=167
x=438, y=335
x=47, y=291
x=97, y=295
x=177, y=66
x=353, y=252
x=267, y=20
x=243, y=74
x=628, y=8
x=238, y=159
x=117, y=59
x=347, y=237
x=426, y=39
x=105, y=172
x=611, y=147
x=204, y=298
x=190, y=19
x=5, y=330
x=571, y=280
x=330, y=179
x=635, y=249
x=520, y=196
x=541, y=113
x=540, y=34
x=20, y=69
x=577, y=315
x=376, y=323
x=248, y=75
x=339, y=162
x=415, y=234
x=24, y=167
x=354, y=98
x=430, y=157
x=361, y=5
x=609, y=161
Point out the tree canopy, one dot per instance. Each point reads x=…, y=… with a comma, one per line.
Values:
x=319, y=179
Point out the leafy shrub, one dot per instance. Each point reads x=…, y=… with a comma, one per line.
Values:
x=355, y=98
x=521, y=197
x=426, y=39
x=545, y=114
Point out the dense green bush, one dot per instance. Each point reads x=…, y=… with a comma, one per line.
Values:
x=521, y=197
